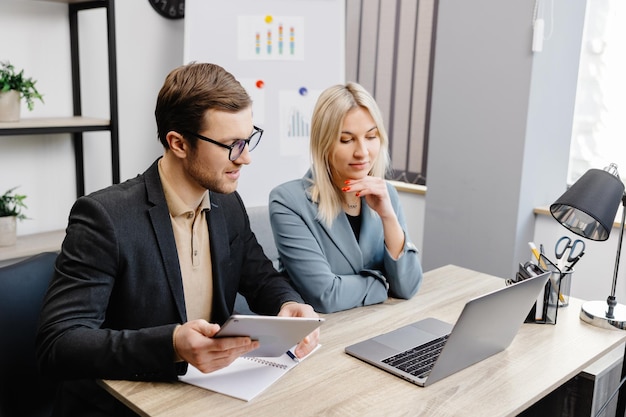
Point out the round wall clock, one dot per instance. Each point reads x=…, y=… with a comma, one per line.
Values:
x=172, y=9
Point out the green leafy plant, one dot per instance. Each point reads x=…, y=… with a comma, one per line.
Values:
x=11, y=204
x=10, y=79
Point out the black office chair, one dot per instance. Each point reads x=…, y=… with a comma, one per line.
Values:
x=23, y=391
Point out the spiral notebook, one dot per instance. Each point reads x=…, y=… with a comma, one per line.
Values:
x=246, y=377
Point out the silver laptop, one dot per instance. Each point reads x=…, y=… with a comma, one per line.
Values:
x=486, y=326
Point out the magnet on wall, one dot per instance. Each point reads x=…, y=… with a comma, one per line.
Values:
x=303, y=91
x=260, y=84
x=268, y=19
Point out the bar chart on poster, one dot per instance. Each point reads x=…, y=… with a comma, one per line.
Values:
x=284, y=53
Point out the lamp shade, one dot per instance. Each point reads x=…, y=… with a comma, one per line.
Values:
x=588, y=207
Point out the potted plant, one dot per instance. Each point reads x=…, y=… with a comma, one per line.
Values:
x=14, y=85
x=11, y=206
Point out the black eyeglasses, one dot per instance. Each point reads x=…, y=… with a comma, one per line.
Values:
x=236, y=149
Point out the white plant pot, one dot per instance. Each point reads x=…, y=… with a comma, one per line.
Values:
x=10, y=106
x=8, y=230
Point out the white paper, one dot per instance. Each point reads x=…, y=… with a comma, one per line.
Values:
x=245, y=378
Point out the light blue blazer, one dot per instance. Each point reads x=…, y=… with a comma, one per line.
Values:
x=330, y=269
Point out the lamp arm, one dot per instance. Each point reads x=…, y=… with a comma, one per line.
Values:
x=611, y=299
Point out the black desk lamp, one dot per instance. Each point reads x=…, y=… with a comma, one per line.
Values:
x=588, y=209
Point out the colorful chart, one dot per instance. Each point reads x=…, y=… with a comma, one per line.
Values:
x=271, y=37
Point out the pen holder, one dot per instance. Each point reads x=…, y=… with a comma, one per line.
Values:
x=559, y=279
x=552, y=296
x=565, y=279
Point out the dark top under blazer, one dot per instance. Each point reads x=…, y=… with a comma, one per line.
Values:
x=117, y=292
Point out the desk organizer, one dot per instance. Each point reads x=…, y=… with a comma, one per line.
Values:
x=555, y=293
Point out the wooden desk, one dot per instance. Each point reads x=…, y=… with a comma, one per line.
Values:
x=541, y=358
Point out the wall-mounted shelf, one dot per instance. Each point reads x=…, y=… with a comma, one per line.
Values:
x=44, y=125
x=77, y=124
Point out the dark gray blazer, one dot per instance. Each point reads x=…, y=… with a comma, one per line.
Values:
x=117, y=292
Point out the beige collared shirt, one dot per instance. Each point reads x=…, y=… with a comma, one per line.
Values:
x=191, y=233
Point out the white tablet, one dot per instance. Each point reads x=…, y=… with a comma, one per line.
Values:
x=275, y=334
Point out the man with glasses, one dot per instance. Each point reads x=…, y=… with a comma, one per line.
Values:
x=151, y=267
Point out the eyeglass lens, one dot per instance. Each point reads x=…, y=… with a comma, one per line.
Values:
x=240, y=145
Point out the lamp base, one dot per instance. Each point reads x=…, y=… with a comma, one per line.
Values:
x=594, y=313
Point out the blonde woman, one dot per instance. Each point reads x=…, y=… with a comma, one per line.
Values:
x=340, y=230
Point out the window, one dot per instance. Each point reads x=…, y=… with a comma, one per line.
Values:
x=599, y=128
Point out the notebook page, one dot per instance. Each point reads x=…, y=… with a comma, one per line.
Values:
x=245, y=378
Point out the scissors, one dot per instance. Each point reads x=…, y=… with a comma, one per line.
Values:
x=565, y=246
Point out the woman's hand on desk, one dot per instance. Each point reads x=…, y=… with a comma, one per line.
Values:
x=293, y=309
x=194, y=343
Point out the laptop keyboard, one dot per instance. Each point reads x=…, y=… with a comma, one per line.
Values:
x=418, y=361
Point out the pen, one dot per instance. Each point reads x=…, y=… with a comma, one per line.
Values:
x=292, y=356
x=535, y=252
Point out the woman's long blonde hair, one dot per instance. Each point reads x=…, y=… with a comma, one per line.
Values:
x=328, y=116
